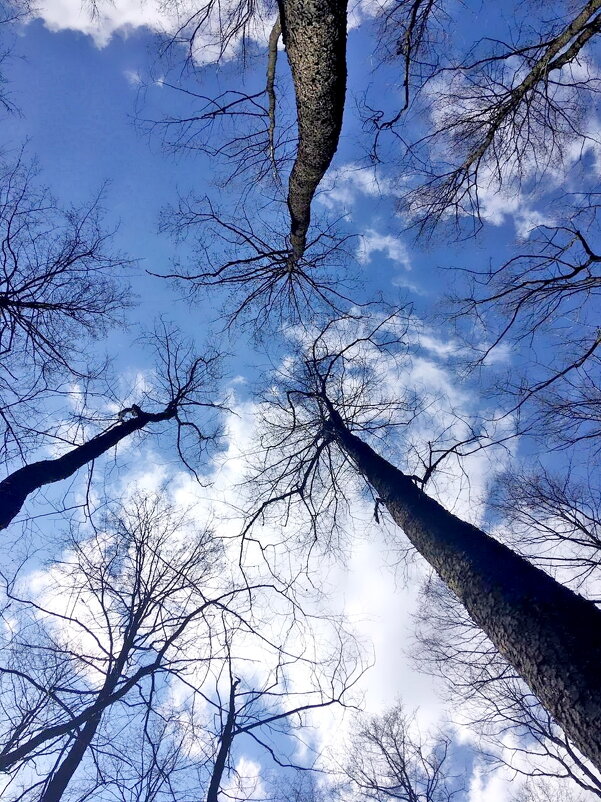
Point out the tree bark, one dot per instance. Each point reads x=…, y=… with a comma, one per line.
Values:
x=551, y=635
x=18, y=485
x=314, y=33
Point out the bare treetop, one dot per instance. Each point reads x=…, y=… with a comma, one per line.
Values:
x=501, y=114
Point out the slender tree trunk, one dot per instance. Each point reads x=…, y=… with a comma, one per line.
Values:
x=18, y=485
x=225, y=744
x=314, y=33
x=551, y=635
x=64, y=774
x=62, y=777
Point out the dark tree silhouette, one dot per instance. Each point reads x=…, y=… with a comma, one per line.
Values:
x=488, y=695
x=504, y=111
x=276, y=712
x=60, y=286
x=314, y=33
x=388, y=759
x=186, y=384
x=544, y=302
x=554, y=520
x=139, y=602
x=247, y=257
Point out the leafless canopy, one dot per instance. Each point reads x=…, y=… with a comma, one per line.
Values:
x=502, y=113
x=59, y=285
x=250, y=260
x=389, y=759
x=182, y=396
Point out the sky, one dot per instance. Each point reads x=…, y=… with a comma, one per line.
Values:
x=88, y=89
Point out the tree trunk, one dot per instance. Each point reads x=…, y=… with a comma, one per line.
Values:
x=551, y=635
x=225, y=744
x=18, y=485
x=314, y=33
x=62, y=777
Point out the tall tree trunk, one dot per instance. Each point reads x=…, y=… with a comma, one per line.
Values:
x=62, y=777
x=225, y=744
x=314, y=33
x=551, y=635
x=18, y=485
x=64, y=774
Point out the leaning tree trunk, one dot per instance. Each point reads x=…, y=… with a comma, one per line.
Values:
x=551, y=635
x=61, y=778
x=64, y=774
x=314, y=33
x=225, y=745
x=20, y=484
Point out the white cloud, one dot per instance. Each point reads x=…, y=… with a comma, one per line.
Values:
x=392, y=247
x=132, y=77
x=123, y=17
x=245, y=782
x=496, y=787
x=363, y=11
x=342, y=186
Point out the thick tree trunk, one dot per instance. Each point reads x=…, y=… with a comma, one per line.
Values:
x=225, y=744
x=551, y=635
x=314, y=33
x=18, y=485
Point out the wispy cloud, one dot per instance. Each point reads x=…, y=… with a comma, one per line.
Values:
x=390, y=246
x=344, y=185
x=132, y=77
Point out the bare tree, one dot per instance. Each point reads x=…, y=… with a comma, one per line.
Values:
x=276, y=713
x=314, y=34
x=544, y=791
x=12, y=15
x=490, y=696
x=124, y=611
x=388, y=759
x=544, y=302
x=59, y=284
x=502, y=112
x=59, y=280
x=554, y=520
x=145, y=633
x=281, y=265
x=542, y=628
x=185, y=388
x=247, y=257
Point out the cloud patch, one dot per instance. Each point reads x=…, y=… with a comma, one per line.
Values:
x=123, y=17
x=391, y=247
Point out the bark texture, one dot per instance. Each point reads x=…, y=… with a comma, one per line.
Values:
x=314, y=33
x=18, y=485
x=551, y=635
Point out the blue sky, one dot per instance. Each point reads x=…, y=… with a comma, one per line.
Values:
x=79, y=98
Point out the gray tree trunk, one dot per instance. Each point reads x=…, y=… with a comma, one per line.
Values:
x=314, y=33
x=551, y=635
